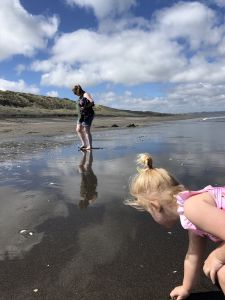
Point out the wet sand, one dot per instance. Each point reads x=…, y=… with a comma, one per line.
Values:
x=16, y=127
x=65, y=231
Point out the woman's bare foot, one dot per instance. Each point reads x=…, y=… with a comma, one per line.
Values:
x=83, y=147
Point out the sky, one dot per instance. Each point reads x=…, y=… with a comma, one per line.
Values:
x=146, y=55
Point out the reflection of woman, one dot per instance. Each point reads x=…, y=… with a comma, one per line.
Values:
x=88, y=180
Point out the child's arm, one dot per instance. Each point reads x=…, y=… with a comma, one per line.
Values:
x=214, y=262
x=202, y=212
x=192, y=265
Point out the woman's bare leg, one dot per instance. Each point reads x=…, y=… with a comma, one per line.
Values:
x=81, y=134
x=87, y=130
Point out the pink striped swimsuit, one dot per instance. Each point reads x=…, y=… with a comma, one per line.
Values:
x=218, y=194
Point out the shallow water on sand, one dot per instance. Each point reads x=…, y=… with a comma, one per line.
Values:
x=65, y=232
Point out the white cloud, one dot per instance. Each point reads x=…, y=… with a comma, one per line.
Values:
x=190, y=97
x=18, y=86
x=52, y=94
x=103, y=8
x=43, y=66
x=196, y=97
x=21, y=32
x=199, y=69
x=183, y=43
x=220, y=3
x=20, y=68
x=116, y=58
x=193, y=22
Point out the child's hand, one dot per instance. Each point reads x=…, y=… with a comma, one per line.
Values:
x=179, y=293
x=211, y=266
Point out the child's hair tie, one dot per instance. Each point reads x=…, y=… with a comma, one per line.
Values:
x=149, y=162
x=145, y=160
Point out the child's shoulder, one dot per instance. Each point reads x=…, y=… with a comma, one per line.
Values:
x=206, y=195
x=184, y=195
x=200, y=199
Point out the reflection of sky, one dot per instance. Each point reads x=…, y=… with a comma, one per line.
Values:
x=41, y=193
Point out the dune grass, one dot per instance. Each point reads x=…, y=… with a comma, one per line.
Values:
x=15, y=104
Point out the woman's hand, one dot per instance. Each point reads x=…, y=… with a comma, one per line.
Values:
x=179, y=293
x=211, y=266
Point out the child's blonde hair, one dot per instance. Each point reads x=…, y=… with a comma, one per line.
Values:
x=152, y=184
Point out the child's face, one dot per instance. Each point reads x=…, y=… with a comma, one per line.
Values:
x=160, y=216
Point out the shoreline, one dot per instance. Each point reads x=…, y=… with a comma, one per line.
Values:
x=18, y=127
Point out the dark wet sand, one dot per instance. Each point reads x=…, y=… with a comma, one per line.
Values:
x=17, y=127
x=65, y=232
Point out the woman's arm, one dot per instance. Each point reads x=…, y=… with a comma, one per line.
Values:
x=89, y=100
x=88, y=96
x=192, y=265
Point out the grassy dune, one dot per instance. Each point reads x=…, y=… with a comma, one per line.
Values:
x=13, y=104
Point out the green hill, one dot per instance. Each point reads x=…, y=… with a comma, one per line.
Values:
x=15, y=104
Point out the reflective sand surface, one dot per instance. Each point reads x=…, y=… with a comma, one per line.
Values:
x=65, y=232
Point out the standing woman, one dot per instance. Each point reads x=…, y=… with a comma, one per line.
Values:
x=85, y=115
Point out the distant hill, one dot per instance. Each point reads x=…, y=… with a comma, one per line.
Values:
x=15, y=104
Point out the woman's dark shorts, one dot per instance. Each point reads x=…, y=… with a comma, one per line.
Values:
x=85, y=120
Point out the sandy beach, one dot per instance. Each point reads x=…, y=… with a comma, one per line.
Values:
x=16, y=127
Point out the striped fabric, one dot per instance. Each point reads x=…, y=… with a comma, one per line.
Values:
x=218, y=194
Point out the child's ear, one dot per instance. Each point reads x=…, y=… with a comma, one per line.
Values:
x=153, y=205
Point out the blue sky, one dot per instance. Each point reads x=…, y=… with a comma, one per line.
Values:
x=159, y=55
